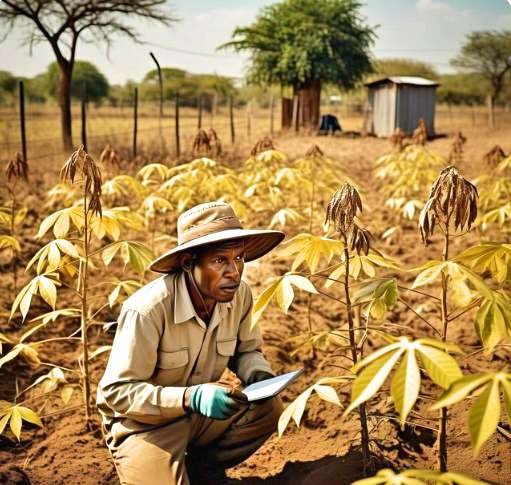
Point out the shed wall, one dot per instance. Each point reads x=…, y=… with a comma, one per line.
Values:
x=383, y=102
x=413, y=103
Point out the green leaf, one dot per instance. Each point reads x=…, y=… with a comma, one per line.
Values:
x=371, y=379
x=461, y=389
x=263, y=299
x=431, y=271
x=310, y=250
x=484, y=415
x=440, y=366
x=405, y=385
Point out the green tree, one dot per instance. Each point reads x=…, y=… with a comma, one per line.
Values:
x=62, y=23
x=487, y=53
x=8, y=86
x=462, y=88
x=85, y=75
x=404, y=67
x=304, y=43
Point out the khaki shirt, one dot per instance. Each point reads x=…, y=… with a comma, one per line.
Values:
x=161, y=346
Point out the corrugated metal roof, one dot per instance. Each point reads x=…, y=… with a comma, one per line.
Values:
x=416, y=81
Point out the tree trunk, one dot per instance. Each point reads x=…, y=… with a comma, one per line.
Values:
x=491, y=113
x=65, y=106
x=309, y=95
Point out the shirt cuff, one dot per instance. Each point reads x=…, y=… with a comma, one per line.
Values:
x=171, y=402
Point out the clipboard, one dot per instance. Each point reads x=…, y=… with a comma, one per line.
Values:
x=270, y=387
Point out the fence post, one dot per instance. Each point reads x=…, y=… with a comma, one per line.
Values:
x=296, y=107
x=178, y=148
x=272, y=113
x=22, y=120
x=214, y=107
x=249, y=118
x=135, y=122
x=160, y=82
x=199, y=107
x=231, y=116
x=84, y=116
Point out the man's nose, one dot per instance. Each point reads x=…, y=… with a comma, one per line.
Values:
x=233, y=270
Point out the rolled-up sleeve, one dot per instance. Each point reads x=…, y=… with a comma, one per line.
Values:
x=249, y=357
x=125, y=387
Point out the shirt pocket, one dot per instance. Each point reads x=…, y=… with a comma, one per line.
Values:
x=225, y=349
x=171, y=367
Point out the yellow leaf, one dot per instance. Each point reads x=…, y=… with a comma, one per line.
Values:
x=48, y=290
x=66, y=393
x=15, y=422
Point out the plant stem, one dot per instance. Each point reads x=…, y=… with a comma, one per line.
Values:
x=13, y=234
x=442, y=424
x=83, y=289
x=364, y=431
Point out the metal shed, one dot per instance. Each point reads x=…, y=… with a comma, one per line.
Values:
x=399, y=102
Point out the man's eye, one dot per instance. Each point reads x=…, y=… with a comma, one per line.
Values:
x=240, y=258
x=219, y=260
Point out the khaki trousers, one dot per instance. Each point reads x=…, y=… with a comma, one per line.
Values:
x=157, y=457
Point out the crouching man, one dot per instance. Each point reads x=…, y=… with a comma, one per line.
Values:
x=166, y=418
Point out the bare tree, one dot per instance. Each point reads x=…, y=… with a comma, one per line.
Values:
x=63, y=22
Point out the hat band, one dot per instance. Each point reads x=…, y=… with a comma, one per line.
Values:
x=206, y=228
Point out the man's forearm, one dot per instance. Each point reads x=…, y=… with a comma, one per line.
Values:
x=144, y=402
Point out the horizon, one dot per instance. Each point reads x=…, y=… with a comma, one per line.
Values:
x=439, y=30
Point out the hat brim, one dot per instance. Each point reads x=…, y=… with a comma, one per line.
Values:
x=258, y=242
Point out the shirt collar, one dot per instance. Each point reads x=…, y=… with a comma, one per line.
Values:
x=183, y=306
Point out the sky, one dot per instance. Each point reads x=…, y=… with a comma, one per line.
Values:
x=426, y=30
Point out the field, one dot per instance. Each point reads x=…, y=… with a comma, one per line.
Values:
x=326, y=448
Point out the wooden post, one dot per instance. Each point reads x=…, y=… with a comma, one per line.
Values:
x=178, y=148
x=272, y=113
x=296, y=107
x=199, y=107
x=135, y=121
x=249, y=118
x=214, y=107
x=84, y=116
x=160, y=82
x=22, y=120
x=231, y=116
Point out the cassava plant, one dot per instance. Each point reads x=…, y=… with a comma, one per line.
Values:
x=11, y=216
x=452, y=206
x=341, y=212
x=67, y=261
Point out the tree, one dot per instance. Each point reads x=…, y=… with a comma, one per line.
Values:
x=466, y=88
x=487, y=52
x=304, y=43
x=63, y=22
x=85, y=75
x=404, y=67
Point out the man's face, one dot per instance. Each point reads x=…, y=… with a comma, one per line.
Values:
x=218, y=271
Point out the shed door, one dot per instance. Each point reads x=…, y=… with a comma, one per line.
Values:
x=384, y=109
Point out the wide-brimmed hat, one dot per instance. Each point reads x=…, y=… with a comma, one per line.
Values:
x=214, y=222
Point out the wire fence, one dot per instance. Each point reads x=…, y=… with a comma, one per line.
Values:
x=157, y=134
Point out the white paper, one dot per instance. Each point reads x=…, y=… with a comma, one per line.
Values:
x=270, y=387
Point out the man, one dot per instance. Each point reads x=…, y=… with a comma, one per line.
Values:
x=165, y=416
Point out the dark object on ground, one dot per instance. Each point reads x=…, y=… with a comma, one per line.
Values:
x=329, y=125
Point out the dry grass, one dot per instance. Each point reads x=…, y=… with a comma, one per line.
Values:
x=113, y=126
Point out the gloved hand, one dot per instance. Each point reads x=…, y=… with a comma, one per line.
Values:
x=258, y=376
x=214, y=401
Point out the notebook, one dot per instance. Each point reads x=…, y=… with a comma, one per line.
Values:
x=270, y=387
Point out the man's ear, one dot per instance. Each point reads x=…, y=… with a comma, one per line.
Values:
x=185, y=261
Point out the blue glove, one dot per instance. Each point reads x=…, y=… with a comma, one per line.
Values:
x=216, y=402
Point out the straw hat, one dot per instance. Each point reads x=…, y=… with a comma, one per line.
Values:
x=214, y=222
